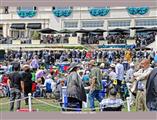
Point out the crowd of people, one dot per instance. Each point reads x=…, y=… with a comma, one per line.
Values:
x=5, y=40
x=51, y=39
x=91, y=39
x=117, y=38
x=108, y=76
x=143, y=40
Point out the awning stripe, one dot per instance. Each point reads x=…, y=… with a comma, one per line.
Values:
x=18, y=26
x=34, y=25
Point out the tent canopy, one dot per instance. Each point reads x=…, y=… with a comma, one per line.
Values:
x=118, y=30
x=48, y=31
x=153, y=29
x=66, y=31
x=99, y=30
x=83, y=31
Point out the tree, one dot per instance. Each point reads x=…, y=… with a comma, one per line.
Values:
x=36, y=35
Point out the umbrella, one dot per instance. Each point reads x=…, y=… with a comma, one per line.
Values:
x=118, y=30
x=66, y=31
x=83, y=31
x=96, y=33
x=148, y=29
x=99, y=30
x=136, y=28
x=48, y=31
x=142, y=48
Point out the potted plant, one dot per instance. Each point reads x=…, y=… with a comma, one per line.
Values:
x=36, y=38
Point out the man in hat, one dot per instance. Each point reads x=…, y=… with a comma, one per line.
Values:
x=130, y=72
x=75, y=90
x=35, y=63
x=119, y=69
x=112, y=73
x=16, y=85
x=95, y=84
x=128, y=79
x=151, y=90
x=112, y=103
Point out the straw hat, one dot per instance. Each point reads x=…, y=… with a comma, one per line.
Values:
x=87, y=72
x=92, y=62
x=112, y=65
x=72, y=66
x=102, y=65
x=48, y=77
x=132, y=64
x=81, y=71
x=26, y=67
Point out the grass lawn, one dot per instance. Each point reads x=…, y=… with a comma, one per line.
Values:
x=45, y=105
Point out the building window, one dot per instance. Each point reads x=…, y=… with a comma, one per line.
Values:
x=146, y=22
x=70, y=24
x=92, y=23
x=6, y=10
x=27, y=8
x=121, y=23
x=1, y=31
x=17, y=34
x=62, y=7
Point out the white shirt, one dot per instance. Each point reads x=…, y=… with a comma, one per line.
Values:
x=120, y=71
x=129, y=74
x=113, y=75
x=51, y=82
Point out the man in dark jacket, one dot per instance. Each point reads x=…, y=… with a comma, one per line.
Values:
x=27, y=79
x=16, y=86
x=151, y=90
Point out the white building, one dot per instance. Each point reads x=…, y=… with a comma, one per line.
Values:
x=11, y=24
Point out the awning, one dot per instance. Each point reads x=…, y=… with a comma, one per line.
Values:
x=34, y=25
x=48, y=31
x=18, y=26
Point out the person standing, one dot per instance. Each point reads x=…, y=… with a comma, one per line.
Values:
x=95, y=84
x=152, y=54
x=27, y=78
x=75, y=90
x=128, y=56
x=130, y=72
x=141, y=85
x=16, y=86
x=35, y=63
x=151, y=90
x=112, y=73
x=120, y=75
x=128, y=79
x=145, y=54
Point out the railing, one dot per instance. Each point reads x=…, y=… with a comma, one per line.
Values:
x=59, y=106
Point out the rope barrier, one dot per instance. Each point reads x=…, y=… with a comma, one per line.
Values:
x=79, y=109
x=13, y=101
x=46, y=103
x=59, y=107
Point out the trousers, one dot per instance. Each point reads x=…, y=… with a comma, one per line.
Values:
x=141, y=101
x=15, y=94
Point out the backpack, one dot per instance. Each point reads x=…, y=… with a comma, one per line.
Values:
x=48, y=88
